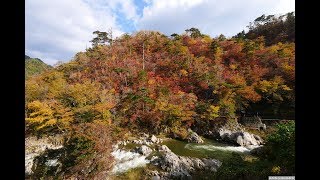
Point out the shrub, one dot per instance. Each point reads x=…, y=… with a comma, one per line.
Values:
x=180, y=132
x=280, y=147
x=88, y=151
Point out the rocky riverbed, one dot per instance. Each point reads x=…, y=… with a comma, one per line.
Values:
x=169, y=158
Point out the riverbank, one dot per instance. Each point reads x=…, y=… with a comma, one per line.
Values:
x=158, y=156
x=138, y=156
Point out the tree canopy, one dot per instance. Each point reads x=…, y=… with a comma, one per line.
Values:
x=150, y=80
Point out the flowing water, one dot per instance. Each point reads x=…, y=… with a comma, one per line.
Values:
x=126, y=160
x=208, y=149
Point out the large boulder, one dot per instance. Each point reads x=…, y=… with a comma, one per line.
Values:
x=144, y=150
x=153, y=139
x=241, y=138
x=181, y=166
x=227, y=130
x=193, y=137
x=225, y=134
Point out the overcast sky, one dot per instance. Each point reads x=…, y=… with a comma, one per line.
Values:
x=57, y=29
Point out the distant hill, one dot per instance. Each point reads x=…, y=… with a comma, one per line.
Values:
x=273, y=28
x=34, y=66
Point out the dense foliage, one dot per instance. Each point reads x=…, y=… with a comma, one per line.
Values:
x=108, y=83
x=152, y=82
x=276, y=158
x=280, y=148
x=274, y=29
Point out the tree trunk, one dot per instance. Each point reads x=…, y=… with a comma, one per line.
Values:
x=143, y=56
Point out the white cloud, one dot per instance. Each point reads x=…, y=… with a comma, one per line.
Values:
x=284, y=6
x=212, y=17
x=57, y=30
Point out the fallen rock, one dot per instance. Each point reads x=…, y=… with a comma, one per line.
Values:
x=144, y=150
x=241, y=138
x=137, y=141
x=144, y=135
x=194, y=137
x=181, y=166
x=164, y=148
x=155, y=175
x=228, y=130
x=153, y=139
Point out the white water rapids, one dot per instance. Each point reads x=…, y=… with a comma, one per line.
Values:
x=220, y=148
x=126, y=160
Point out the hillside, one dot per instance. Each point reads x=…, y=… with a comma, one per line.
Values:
x=272, y=28
x=147, y=82
x=34, y=66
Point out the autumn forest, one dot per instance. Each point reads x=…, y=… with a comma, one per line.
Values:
x=148, y=82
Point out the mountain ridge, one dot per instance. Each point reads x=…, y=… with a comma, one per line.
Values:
x=34, y=66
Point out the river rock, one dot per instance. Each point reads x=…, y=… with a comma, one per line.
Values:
x=137, y=141
x=153, y=139
x=154, y=159
x=122, y=143
x=241, y=138
x=194, y=137
x=144, y=150
x=250, y=139
x=258, y=138
x=155, y=175
x=144, y=135
x=224, y=134
x=164, y=148
x=181, y=166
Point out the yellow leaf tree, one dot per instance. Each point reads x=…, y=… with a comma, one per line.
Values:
x=48, y=115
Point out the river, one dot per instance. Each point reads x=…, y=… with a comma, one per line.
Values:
x=132, y=164
x=208, y=149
